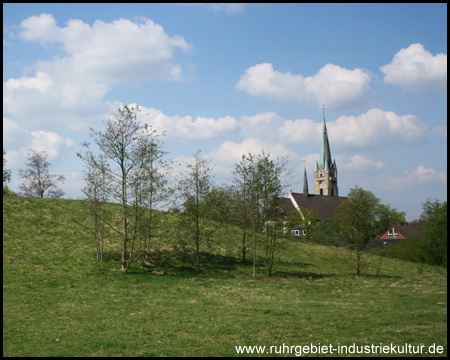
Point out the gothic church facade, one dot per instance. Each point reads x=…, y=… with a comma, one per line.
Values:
x=325, y=200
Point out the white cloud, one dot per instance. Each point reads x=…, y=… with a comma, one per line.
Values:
x=373, y=128
x=301, y=131
x=120, y=51
x=230, y=152
x=310, y=161
x=421, y=175
x=376, y=127
x=416, y=69
x=360, y=163
x=337, y=87
x=263, y=125
x=439, y=131
x=66, y=90
x=12, y=133
x=19, y=141
x=41, y=28
x=49, y=141
x=186, y=127
x=263, y=80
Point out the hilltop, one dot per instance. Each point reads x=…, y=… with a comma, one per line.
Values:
x=59, y=301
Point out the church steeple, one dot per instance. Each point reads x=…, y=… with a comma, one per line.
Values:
x=325, y=153
x=305, y=184
x=325, y=172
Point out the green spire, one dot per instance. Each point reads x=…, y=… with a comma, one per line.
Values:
x=325, y=153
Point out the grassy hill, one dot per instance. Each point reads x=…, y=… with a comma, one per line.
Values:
x=59, y=301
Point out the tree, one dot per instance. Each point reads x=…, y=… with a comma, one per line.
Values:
x=97, y=194
x=358, y=217
x=123, y=147
x=429, y=243
x=434, y=232
x=38, y=182
x=258, y=180
x=271, y=190
x=221, y=204
x=6, y=174
x=388, y=217
x=309, y=219
x=242, y=208
x=247, y=179
x=194, y=188
x=152, y=182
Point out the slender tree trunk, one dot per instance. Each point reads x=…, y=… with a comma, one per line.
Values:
x=254, y=253
x=358, y=262
x=124, y=225
x=243, y=245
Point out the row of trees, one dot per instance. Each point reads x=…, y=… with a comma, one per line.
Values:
x=429, y=245
x=128, y=167
x=126, y=164
x=362, y=218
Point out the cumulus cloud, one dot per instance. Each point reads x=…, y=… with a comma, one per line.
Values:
x=119, y=51
x=421, y=175
x=360, y=163
x=40, y=28
x=50, y=141
x=337, y=87
x=230, y=153
x=261, y=125
x=12, y=132
x=374, y=128
x=17, y=142
x=96, y=58
x=301, y=131
x=416, y=69
x=186, y=127
x=263, y=80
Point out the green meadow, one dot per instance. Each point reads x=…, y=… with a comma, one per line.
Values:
x=59, y=301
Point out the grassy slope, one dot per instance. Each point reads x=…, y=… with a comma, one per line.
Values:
x=58, y=301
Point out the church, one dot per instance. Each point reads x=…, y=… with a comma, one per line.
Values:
x=325, y=199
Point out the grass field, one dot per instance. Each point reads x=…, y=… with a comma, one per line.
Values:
x=58, y=301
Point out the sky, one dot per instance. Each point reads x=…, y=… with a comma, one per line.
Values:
x=233, y=79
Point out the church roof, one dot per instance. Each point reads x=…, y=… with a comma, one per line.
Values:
x=326, y=206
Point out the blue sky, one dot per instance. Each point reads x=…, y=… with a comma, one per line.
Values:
x=230, y=79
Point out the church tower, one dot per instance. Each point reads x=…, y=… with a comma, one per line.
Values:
x=325, y=172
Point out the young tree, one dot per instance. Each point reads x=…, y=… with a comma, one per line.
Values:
x=97, y=194
x=358, y=217
x=388, y=217
x=6, y=174
x=123, y=146
x=271, y=172
x=154, y=188
x=309, y=220
x=242, y=208
x=247, y=179
x=194, y=189
x=38, y=182
x=259, y=182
